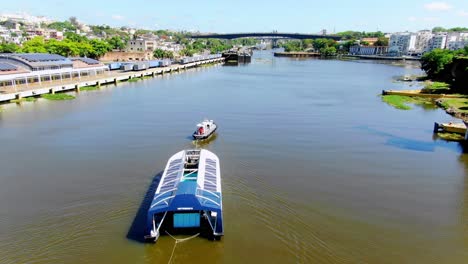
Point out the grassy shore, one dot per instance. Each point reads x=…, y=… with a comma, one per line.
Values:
x=207, y=65
x=402, y=102
x=456, y=105
x=89, y=88
x=136, y=79
x=27, y=99
x=58, y=97
x=436, y=88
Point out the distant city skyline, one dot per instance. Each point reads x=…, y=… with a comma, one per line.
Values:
x=255, y=16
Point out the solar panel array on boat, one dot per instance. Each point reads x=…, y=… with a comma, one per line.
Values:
x=210, y=175
x=171, y=175
x=7, y=67
x=36, y=57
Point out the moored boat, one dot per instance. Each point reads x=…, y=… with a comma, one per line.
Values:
x=205, y=129
x=188, y=199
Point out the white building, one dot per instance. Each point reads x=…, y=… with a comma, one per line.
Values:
x=423, y=39
x=438, y=41
x=140, y=45
x=169, y=46
x=403, y=43
x=4, y=34
x=457, y=40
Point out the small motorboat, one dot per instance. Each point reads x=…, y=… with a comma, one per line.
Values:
x=188, y=199
x=204, y=129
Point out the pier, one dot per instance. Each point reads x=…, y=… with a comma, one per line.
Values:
x=24, y=91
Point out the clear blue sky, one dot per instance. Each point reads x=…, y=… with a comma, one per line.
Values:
x=305, y=16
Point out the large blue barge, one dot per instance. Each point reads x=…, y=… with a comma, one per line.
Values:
x=188, y=199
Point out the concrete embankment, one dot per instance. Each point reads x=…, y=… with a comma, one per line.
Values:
x=376, y=57
x=107, y=78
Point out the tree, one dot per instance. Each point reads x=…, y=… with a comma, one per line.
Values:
x=350, y=34
x=116, y=43
x=187, y=52
x=35, y=45
x=85, y=49
x=65, y=48
x=163, y=54
x=382, y=41
x=328, y=51
x=307, y=43
x=100, y=48
x=435, y=63
x=364, y=43
x=323, y=43
x=292, y=46
x=8, y=47
x=348, y=44
x=75, y=37
x=61, y=26
x=438, y=29
x=458, y=29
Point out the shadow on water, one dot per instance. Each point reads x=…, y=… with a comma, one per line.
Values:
x=415, y=145
x=137, y=229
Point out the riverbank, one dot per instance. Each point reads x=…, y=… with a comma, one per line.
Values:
x=377, y=57
x=297, y=54
x=438, y=93
x=53, y=87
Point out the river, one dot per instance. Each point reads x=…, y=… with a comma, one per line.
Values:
x=315, y=169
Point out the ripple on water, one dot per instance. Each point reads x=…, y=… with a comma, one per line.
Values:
x=278, y=215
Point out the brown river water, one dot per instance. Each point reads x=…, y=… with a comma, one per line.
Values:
x=315, y=169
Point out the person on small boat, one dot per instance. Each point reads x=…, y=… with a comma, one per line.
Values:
x=200, y=131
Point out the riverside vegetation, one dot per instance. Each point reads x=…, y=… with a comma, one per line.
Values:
x=447, y=74
x=58, y=96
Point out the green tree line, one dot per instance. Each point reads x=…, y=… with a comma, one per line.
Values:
x=163, y=54
x=327, y=47
x=200, y=45
x=438, y=64
x=72, y=45
x=358, y=35
x=455, y=29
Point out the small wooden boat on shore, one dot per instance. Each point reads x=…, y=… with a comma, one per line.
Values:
x=188, y=199
x=204, y=129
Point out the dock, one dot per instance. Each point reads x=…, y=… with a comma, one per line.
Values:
x=111, y=77
x=458, y=128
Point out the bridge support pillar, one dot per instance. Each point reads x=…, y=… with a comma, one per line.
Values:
x=274, y=43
